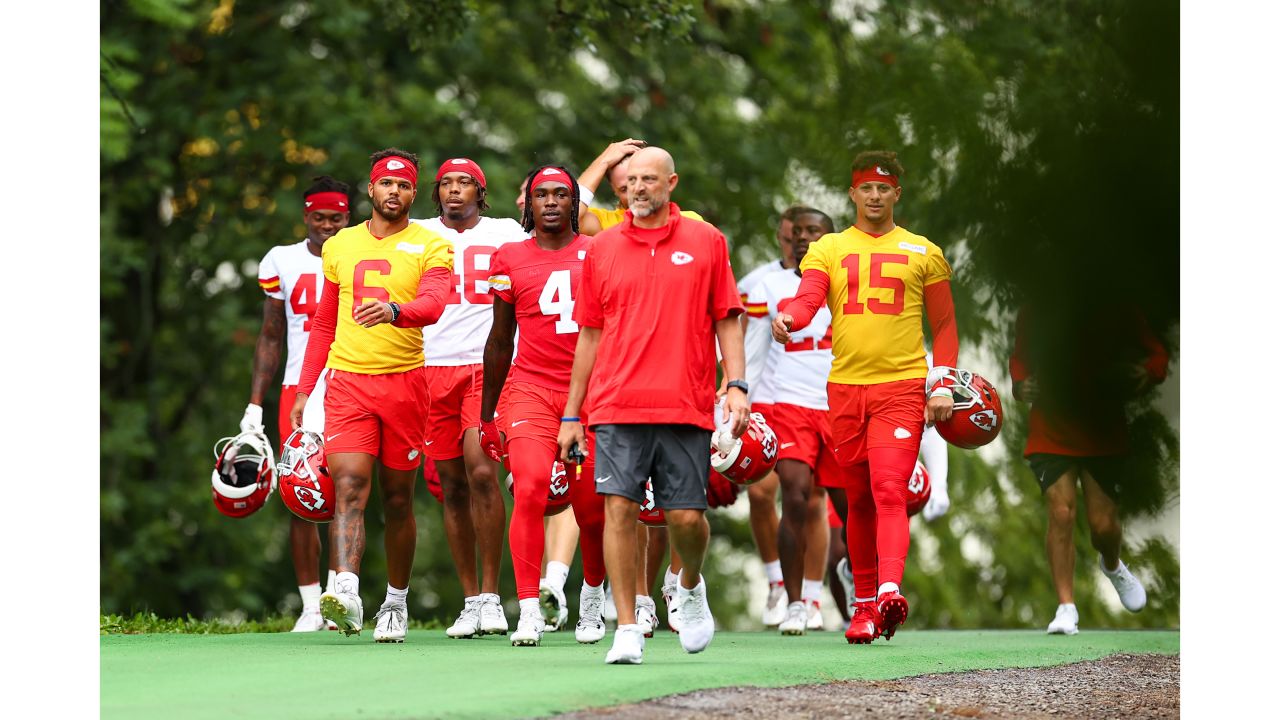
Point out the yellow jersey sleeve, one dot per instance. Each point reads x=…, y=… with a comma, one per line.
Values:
x=937, y=268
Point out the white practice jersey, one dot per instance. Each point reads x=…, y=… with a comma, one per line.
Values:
x=758, y=338
x=795, y=373
x=459, y=336
x=292, y=274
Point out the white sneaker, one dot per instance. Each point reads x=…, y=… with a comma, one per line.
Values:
x=344, y=609
x=775, y=607
x=1132, y=595
x=468, y=623
x=590, y=615
x=555, y=609
x=673, y=608
x=610, y=610
x=796, y=619
x=815, y=616
x=390, y=623
x=846, y=581
x=529, y=628
x=646, y=614
x=493, y=621
x=1066, y=621
x=697, y=627
x=628, y=646
x=937, y=505
x=309, y=621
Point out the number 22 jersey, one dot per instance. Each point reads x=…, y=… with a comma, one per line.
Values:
x=292, y=274
x=542, y=285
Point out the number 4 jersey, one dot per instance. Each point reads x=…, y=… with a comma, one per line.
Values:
x=542, y=285
x=292, y=274
x=794, y=373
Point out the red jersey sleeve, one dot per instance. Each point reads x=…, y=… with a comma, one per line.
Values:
x=323, y=327
x=500, y=275
x=941, y=310
x=426, y=308
x=812, y=295
x=587, y=310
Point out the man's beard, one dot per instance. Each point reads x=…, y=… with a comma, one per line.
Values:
x=647, y=206
x=392, y=216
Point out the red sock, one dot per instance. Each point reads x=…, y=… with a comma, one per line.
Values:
x=588, y=510
x=890, y=469
x=860, y=531
x=530, y=463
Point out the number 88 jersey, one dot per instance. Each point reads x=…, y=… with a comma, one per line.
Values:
x=542, y=285
x=292, y=274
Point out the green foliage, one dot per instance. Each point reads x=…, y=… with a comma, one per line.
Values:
x=1040, y=141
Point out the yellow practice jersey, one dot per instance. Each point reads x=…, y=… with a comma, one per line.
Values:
x=876, y=299
x=388, y=270
x=609, y=218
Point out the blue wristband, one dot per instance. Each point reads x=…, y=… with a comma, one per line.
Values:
x=570, y=419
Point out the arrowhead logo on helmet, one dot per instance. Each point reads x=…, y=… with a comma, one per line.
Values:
x=918, y=489
x=976, y=415
x=749, y=458
x=650, y=513
x=306, y=487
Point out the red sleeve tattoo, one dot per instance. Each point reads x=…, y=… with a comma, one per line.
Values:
x=812, y=295
x=942, y=322
x=427, y=307
x=323, y=327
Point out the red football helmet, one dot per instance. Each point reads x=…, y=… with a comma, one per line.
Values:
x=651, y=514
x=243, y=474
x=976, y=416
x=918, y=489
x=305, y=485
x=746, y=459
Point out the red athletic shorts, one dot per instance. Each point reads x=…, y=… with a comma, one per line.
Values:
x=531, y=411
x=803, y=435
x=381, y=415
x=455, y=406
x=873, y=416
x=288, y=393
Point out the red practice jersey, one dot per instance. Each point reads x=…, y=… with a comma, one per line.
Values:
x=542, y=285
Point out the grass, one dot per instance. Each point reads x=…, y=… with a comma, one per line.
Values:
x=143, y=623
x=210, y=673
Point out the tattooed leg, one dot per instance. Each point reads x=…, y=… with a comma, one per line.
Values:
x=352, y=474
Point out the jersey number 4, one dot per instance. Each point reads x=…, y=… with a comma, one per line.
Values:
x=305, y=298
x=557, y=300
x=876, y=280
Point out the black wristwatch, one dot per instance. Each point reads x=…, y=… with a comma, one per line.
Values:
x=395, y=311
x=741, y=385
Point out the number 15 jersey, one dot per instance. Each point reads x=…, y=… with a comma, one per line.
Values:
x=542, y=285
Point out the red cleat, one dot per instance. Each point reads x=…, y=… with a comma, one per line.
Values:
x=893, y=612
x=864, y=626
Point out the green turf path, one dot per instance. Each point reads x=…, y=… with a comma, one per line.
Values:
x=325, y=675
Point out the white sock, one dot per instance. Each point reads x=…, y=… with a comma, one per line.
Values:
x=329, y=584
x=858, y=599
x=887, y=587
x=557, y=574
x=589, y=589
x=310, y=596
x=529, y=605
x=773, y=571
x=347, y=582
x=811, y=590
x=669, y=578
x=397, y=596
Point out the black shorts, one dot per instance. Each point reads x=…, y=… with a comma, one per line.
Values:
x=676, y=457
x=1107, y=470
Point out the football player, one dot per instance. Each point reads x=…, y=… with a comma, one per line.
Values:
x=384, y=280
x=290, y=275
x=474, y=512
x=878, y=279
x=533, y=285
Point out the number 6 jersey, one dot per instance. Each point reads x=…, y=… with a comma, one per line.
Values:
x=292, y=274
x=542, y=285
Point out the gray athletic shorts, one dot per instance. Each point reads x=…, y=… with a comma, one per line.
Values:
x=677, y=457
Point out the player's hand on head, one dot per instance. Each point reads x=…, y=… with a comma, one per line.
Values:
x=372, y=313
x=295, y=415
x=623, y=149
x=782, y=328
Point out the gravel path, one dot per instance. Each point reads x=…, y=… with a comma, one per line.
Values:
x=1133, y=686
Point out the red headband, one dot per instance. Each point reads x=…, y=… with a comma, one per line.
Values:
x=551, y=174
x=325, y=201
x=874, y=173
x=462, y=165
x=394, y=166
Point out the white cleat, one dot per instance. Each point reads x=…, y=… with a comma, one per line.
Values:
x=345, y=610
x=610, y=610
x=646, y=614
x=390, y=623
x=673, y=608
x=796, y=619
x=697, y=627
x=1066, y=621
x=528, y=629
x=775, y=607
x=493, y=621
x=628, y=646
x=1132, y=595
x=310, y=620
x=555, y=609
x=590, y=628
x=815, y=617
x=846, y=581
x=937, y=505
x=468, y=623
